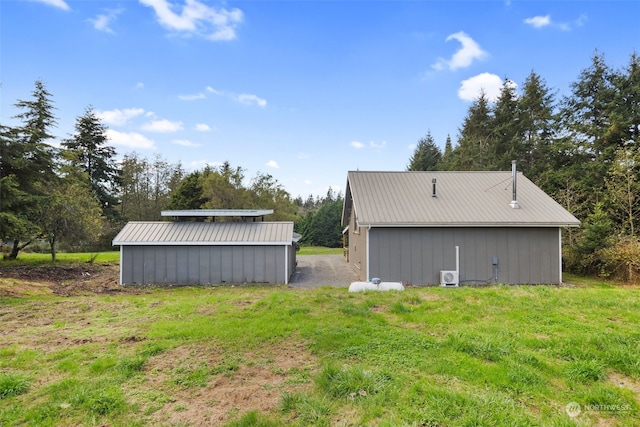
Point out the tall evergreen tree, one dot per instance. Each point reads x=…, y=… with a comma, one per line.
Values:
x=426, y=155
x=589, y=122
x=88, y=151
x=626, y=114
x=447, y=161
x=504, y=140
x=537, y=124
x=27, y=167
x=471, y=151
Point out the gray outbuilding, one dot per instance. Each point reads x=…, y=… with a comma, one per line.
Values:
x=451, y=228
x=188, y=253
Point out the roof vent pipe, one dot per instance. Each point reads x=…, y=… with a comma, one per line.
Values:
x=514, y=199
x=433, y=185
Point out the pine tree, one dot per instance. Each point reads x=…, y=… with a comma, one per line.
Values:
x=28, y=168
x=472, y=149
x=426, y=155
x=88, y=151
x=537, y=126
x=504, y=141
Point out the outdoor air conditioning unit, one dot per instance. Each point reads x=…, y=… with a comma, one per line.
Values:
x=449, y=278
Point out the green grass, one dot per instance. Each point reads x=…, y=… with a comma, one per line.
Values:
x=494, y=356
x=41, y=259
x=319, y=250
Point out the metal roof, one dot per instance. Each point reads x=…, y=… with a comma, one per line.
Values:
x=205, y=233
x=217, y=212
x=464, y=199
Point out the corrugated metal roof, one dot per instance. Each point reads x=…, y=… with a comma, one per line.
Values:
x=463, y=199
x=205, y=233
x=249, y=213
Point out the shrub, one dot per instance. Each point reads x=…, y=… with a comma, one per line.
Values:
x=622, y=259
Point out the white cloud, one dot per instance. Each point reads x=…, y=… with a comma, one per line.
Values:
x=308, y=182
x=377, y=146
x=197, y=18
x=465, y=56
x=192, y=97
x=163, y=126
x=249, y=99
x=130, y=139
x=538, y=21
x=212, y=90
x=102, y=22
x=185, y=143
x=272, y=164
x=60, y=4
x=139, y=85
x=471, y=88
x=546, y=21
x=203, y=127
x=119, y=117
x=357, y=144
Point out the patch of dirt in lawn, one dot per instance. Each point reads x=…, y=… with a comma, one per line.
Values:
x=623, y=381
x=256, y=384
x=68, y=280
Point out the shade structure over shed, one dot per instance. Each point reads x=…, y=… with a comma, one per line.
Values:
x=413, y=226
x=161, y=252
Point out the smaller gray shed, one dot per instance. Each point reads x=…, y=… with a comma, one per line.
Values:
x=185, y=253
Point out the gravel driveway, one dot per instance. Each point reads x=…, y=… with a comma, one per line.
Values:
x=322, y=270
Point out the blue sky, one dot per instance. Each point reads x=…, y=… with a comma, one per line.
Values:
x=302, y=90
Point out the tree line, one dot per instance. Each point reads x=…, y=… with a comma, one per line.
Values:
x=583, y=149
x=76, y=195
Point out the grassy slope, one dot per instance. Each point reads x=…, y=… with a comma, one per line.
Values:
x=428, y=356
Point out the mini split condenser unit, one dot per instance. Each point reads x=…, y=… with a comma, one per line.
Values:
x=449, y=278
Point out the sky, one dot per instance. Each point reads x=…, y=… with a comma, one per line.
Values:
x=299, y=89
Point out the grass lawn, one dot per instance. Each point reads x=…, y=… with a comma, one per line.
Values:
x=319, y=250
x=270, y=356
x=40, y=259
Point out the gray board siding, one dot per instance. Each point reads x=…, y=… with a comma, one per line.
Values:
x=190, y=265
x=416, y=255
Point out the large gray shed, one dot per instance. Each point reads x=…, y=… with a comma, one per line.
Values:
x=185, y=253
x=453, y=227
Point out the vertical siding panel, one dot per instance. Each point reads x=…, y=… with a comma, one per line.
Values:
x=407, y=242
x=270, y=267
x=503, y=255
x=438, y=248
x=193, y=269
x=149, y=260
x=160, y=264
x=249, y=263
x=215, y=258
x=260, y=264
x=237, y=267
x=183, y=266
x=172, y=264
x=523, y=254
x=226, y=266
x=203, y=265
